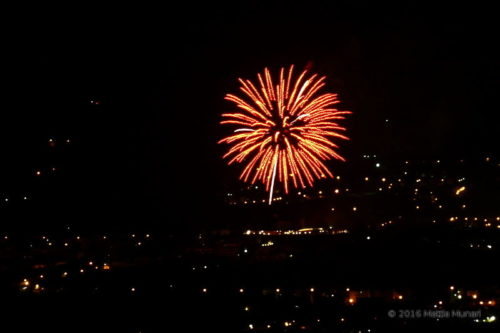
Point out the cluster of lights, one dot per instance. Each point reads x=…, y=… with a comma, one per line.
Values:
x=89, y=265
x=385, y=224
x=351, y=300
x=486, y=221
x=383, y=180
x=303, y=231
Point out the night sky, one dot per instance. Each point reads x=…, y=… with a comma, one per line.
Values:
x=160, y=75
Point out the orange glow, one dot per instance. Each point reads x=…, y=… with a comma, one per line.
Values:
x=285, y=130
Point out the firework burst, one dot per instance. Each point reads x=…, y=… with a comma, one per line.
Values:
x=285, y=130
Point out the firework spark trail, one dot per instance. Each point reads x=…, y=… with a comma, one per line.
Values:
x=285, y=130
x=272, y=181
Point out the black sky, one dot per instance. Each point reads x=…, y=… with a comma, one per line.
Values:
x=161, y=75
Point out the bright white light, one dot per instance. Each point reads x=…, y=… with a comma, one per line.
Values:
x=243, y=130
x=300, y=117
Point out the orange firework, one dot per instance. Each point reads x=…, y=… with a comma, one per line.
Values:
x=285, y=130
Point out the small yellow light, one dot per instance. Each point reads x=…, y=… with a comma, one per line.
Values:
x=460, y=190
